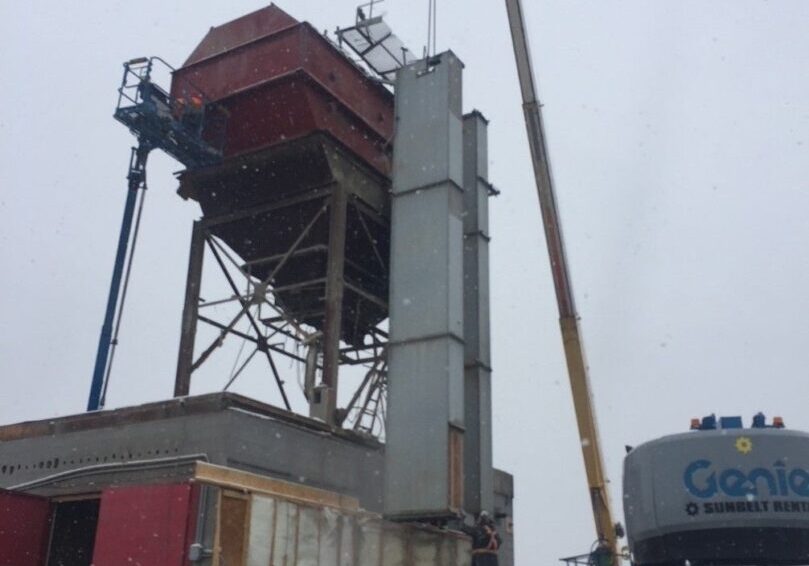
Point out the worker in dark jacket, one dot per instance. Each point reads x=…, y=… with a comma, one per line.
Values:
x=485, y=540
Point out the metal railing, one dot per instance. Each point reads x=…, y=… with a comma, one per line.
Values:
x=189, y=127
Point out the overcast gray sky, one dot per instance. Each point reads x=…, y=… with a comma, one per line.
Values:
x=678, y=135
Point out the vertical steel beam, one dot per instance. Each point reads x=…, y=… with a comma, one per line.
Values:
x=478, y=470
x=335, y=286
x=188, y=333
x=425, y=414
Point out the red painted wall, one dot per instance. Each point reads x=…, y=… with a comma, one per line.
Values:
x=148, y=525
x=24, y=529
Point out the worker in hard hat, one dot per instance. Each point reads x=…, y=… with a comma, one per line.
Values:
x=485, y=540
x=191, y=111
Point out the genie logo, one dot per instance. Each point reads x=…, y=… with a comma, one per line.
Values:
x=702, y=481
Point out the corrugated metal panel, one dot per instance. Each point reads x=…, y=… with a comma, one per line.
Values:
x=283, y=533
x=24, y=527
x=425, y=351
x=147, y=525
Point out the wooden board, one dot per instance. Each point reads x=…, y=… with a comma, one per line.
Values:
x=245, y=481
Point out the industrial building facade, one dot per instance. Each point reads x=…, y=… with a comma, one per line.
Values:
x=217, y=479
x=345, y=203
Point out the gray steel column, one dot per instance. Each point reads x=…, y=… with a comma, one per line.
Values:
x=424, y=426
x=478, y=471
x=188, y=333
x=335, y=285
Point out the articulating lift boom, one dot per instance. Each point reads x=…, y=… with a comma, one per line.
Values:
x=155, y=119
x=568, y=320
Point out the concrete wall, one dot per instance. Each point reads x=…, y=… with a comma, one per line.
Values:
x=159, y=449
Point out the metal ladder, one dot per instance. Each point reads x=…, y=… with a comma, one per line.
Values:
x=370, y=413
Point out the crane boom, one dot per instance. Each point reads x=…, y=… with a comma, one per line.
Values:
x=568, y=320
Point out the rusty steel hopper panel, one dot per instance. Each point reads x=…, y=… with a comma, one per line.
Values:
x=303, y=123
x=280, y=79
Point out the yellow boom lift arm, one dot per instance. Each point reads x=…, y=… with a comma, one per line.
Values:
x=568, y=320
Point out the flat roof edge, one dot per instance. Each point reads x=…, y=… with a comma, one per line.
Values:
x=172, y=408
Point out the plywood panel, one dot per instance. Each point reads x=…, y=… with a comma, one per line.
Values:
x=237, y=479
x=233, y=529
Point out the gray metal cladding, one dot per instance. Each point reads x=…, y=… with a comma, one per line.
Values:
x=426, y=349
x=428, y=144
x=478, y=473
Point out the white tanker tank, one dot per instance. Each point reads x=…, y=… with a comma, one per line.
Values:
x=719, y=495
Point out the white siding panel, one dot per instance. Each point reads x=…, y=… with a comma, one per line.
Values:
x=308, y=536
x=426, y=547
x=286, y=529
x=394, y=544
x=369, y=543
x=262, y=531
x=348, y=544
x=283, y=533
x=329, y=538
